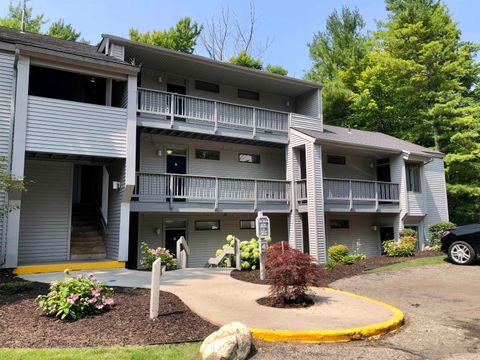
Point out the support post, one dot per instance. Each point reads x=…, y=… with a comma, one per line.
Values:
x=350, y=194
x=255, y=204
x=215, y=118
x=254, y=124
x=172, y=110
x=238, y=256
x=171, y=191
x=155, y=288
x=216, y=193
x=376, y=196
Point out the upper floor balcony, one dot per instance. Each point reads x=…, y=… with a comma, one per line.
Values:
x=178, y=192
x=162, y=109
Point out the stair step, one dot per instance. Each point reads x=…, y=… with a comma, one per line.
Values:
x=88, y=256
x=82, y=234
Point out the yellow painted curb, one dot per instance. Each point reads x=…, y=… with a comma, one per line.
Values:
x=341, y=335
x=94, y=265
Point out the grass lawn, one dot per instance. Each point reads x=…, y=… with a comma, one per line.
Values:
x=411, y=263
x=162, y=352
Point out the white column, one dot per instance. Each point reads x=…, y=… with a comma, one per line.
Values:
x=316, y=215
x=295, y=234
x=129, y=167
x=18, y=158
x=105, y=190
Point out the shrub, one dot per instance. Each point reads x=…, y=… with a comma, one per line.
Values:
x=152, y=254
x=249, y=252
x=436, y=232
x=290, y=272
x=76, y=297
x=340, y=254
x=408, y=232
x=330, y=264
x=405, y=247
x=337, y=252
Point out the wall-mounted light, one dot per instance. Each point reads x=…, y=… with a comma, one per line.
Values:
x=158, y=231
x=115, y=185
x=93, y=80
x=169, y=151
x=159, y=153
x=159, y=79
x=374, y=228
x=287, y=103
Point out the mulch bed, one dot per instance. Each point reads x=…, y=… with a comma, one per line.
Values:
x=341, y=271
x=22, y=325
x=276, y=303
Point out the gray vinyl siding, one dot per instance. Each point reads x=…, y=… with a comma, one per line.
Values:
x=356, y=167
x=116, y=173
x=295, y=229
x=306, y=122
x=69, y=127
x=45, y=217
x=436, y=193
x=358, y=237
x=203, y=244
x=416, y=203
x=227, y=93
x=316, y=220
x=272, y=161
x=309, y=104
x=6, y=97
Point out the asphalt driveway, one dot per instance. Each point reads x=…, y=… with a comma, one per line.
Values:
x=442, y=308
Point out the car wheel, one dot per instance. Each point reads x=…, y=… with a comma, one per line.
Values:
x=461, y=253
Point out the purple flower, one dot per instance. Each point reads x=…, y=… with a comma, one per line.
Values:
x=72, y=298
x=108, y=302
x=99, y=306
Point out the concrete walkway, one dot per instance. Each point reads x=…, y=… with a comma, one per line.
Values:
x=220, y=299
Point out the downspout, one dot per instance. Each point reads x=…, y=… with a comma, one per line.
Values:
x=3, y=249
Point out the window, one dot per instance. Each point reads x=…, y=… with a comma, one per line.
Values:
x=247, y=224
x=336, y=159
x=207, y=86
x=202, y=225
x=249, y=158
x=207, y=154
x=413, y=178
x=339, y=224
x=249, y=95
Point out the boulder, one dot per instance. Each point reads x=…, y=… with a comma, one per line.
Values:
x=231, y=342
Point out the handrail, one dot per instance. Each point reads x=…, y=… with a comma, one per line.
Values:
x=217, y=101
x=213, y=177
x=103, y=221
x=182, y=254
x=359, y=180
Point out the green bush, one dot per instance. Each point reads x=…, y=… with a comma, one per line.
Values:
x=76, y=297
x=337, y=252
x=249, y=252
x=436, y=232
x=405, y=247
x=341, y=254
x=408, y=232
x=152, y=254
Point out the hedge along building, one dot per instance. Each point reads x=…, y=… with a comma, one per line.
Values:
x=181, y=145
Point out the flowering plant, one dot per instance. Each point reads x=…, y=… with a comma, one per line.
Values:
x=76, y=297
x=152, y=254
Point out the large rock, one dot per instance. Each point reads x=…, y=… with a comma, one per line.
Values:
x=230, y=342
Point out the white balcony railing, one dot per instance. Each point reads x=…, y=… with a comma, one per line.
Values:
x=215, y=113
x=360, y=190
x=171, y=187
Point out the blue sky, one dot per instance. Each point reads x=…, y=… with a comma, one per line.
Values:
x=289, y=25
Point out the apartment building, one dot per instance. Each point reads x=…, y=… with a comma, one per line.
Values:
x=127, y=143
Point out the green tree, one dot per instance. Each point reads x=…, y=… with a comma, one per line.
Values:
x=14, y=18
x=276, y=69
x=182, y=37
x=337, y=55
x=63, y=31
x=243, y=59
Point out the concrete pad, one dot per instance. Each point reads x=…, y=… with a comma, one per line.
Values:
x=217, y=297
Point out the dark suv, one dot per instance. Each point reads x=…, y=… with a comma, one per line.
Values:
x=462, y=244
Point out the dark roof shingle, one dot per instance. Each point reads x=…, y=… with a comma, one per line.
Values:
x=14, y=36
x=356, y=137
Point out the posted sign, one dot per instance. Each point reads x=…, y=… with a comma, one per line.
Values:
x=262, y=226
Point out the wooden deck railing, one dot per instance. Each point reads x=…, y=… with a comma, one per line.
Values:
x=360, y=190
x=216, y=113
x=169, y=187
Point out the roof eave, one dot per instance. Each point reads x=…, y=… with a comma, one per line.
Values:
x=207, y=61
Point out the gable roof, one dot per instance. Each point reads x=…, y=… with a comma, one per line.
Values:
x=354, y=137
x=17, y=37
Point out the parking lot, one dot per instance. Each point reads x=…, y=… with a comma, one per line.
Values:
x=442, y=308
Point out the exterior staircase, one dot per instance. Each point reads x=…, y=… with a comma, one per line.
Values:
x=87, y=239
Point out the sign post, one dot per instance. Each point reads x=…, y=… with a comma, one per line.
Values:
x=262, y=230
